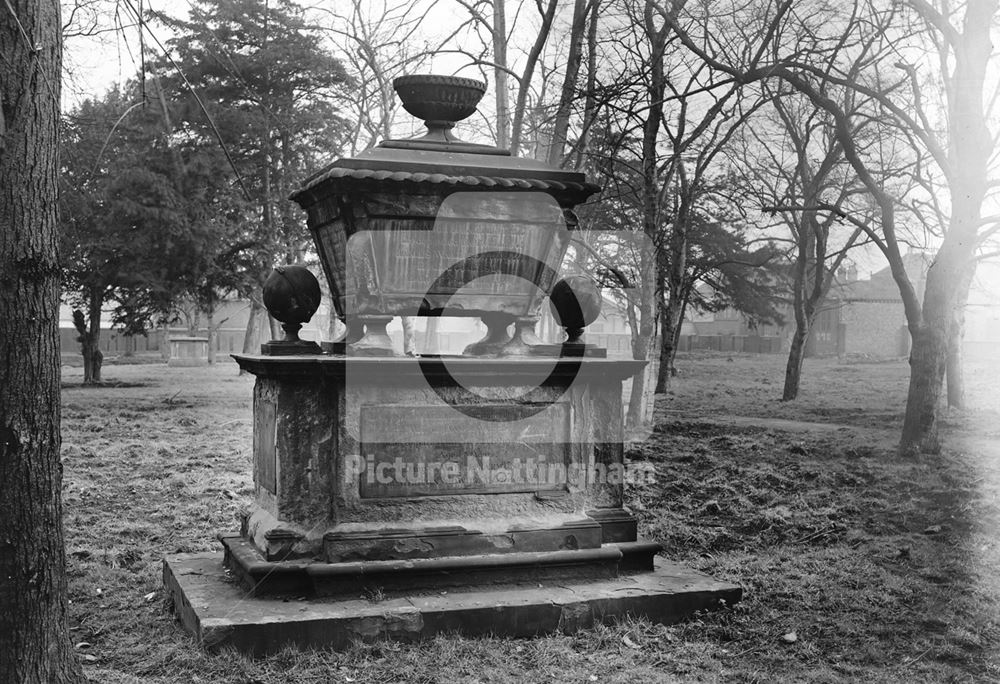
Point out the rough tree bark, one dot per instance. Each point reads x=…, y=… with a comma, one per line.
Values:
x=796, y=354
x=210, y=334
x=953, y=370
x=560, y=126
x=672, y=314
x=655, y=88
x=500, y=73
x=671, y=321
x=34, y=642
x=521, y=102
x=971, y=146
x=812, y=281
x=89, y=330
x=590, y=95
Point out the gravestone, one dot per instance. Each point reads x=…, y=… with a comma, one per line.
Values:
x=188, y=351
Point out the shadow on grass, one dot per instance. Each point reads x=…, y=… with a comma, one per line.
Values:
x=109, y=384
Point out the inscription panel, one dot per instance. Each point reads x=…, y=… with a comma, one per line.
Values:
x=490, y=457
x=264, y=465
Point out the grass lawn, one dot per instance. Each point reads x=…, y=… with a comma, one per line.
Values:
x=885, y=570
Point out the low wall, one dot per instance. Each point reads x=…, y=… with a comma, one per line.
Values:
x=750, y=344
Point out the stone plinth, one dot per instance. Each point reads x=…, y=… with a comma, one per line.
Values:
x=384, y=459
x=188, y=351
x=220, y=615
x=385, y=477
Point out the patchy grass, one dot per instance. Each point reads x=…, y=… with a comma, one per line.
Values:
x=859, y=393
x=884, y=569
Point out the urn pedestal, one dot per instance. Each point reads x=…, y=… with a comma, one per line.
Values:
x=387, y=507
x=377, y=465
x=402, y=498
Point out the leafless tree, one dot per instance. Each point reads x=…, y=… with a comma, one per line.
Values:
x=377, y=42
x=491, y=19
x=792, y=165
x=959, y=151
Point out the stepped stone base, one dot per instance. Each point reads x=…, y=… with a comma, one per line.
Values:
x=220, y=613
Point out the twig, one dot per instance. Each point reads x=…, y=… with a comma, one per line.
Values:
x=907, y=664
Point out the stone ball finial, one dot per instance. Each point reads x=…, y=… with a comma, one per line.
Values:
x=576, y=303
x=292, y=295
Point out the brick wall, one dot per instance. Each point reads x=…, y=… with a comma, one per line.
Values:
x=875, y=328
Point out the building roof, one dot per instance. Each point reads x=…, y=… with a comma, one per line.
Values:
x=881, y=286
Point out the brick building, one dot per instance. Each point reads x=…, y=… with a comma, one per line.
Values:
x=865, y=317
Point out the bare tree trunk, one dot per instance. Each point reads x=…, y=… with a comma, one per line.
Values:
x=96, y=356
x=670, y=322
x=521, y=102
x=34, y=643
x=640, y=350
x=971, y=148
x=500, y=73
x=89, y=336
x=210, y=332
x=251, y=341
x=666, y=341
x=928, y=356
x=675, y=345
x=86, y=348
x=953, y=370
x=561, y=124
x=793, y=367
x=675, y=269
x=930, y=346
x=805, y=241
x=649, y=301
x=590, y=101
x=164, y=341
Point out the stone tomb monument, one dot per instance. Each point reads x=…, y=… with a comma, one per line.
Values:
x=404, y=497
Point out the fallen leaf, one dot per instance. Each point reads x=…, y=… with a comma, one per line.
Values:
x=790, y=638
x=84, y=644
x=628, y=642
x=933, y=529
x=90, y=658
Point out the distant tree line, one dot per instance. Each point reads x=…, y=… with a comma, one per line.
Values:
x=175, y=186
x=754, y=145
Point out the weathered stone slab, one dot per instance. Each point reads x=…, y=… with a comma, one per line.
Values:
x=399, y=544
x=485, y=456
x=220, y=614
x=301, y=577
